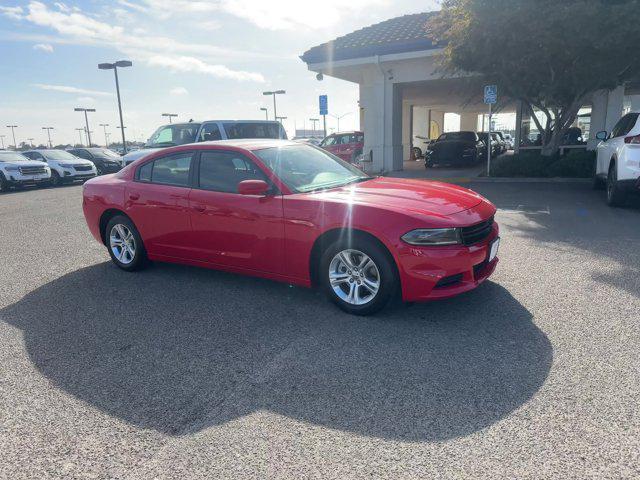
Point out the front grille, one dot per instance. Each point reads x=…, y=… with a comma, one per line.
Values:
x=476, y=233
x=35, y=170
x=82, y=168
x=448, y=281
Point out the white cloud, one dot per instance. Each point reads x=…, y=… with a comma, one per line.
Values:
x=12, y=12
x=152, y=50
x=179, y=91
x=86, y=100
x=74, y=90
x=45, y=47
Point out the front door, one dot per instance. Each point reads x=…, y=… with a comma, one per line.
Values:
x=238, y=231
x=158, y=203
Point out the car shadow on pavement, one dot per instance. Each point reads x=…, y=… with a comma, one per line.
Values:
x=178, y=349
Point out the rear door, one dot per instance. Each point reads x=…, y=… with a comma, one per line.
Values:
x=238, y=231
x=158, y=203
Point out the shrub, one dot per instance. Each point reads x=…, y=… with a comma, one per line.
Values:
x=529, y=163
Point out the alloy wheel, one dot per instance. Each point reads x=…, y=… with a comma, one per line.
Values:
x=122, y=244
x=354, y=277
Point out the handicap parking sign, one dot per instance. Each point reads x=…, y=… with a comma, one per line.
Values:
x=490, y=94
x=324, y=105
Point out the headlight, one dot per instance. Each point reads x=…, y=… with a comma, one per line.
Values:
x=433, y=236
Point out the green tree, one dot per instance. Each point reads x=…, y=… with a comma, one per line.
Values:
x=551, y=54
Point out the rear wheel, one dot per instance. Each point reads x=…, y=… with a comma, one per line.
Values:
x=358, y=276
x=125, y=244
x=615, y=195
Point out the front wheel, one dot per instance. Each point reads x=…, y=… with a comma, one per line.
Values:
x=125, y=244
x=615, y=196
x=358, y=276
x=4, y=185
x=55, y=181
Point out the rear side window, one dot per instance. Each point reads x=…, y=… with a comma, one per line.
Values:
x=222, y=171
x=81, y=153
x=171, y=170
x=209, y=133
x=252, y=130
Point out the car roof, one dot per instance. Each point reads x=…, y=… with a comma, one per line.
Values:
x=348, y=132
x=251, y=143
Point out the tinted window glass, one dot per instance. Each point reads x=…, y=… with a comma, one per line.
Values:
x=81, y=153
x=144, y=174
x=173, y=170
x=176, y=134
x=222, y=171
x=210, y=132
x=619, y=127
x=631, y=122
x=327, y=142
x=253, y=130
x=458, y=136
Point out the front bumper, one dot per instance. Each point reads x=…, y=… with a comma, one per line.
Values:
x=433, y=273
x=73, y=176
x=16, y=178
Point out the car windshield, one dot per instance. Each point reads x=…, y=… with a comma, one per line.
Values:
x=237, y=130
x=12, y=157
x=59, y=155
x=457, y=137
x=175, y=134
x=304, y=168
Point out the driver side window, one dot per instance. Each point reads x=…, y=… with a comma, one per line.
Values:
x=209, y=133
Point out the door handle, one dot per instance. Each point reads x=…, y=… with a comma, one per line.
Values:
x=199, y=208
x=134, y=196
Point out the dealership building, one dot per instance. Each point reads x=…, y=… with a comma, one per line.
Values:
x=404, y=98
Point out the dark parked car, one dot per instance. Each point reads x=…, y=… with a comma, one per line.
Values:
x=105, y=160
x=456, y=148
x=496, y=147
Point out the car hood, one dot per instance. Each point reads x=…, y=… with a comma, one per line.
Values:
x=408, y=196
x=131, y=156
x=23, y=163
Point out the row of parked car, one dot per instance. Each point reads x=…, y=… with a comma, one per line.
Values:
x=463, y=148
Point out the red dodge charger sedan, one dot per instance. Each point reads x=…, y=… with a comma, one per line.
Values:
x=295, y=213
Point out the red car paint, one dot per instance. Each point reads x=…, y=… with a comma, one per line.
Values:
x=345, y=145
x=273, y=236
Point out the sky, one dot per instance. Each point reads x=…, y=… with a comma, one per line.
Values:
x=201, y=59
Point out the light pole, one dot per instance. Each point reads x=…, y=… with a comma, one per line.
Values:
x=14, y=135
x=86, y=120
x=338, y=117
x=279, y=119
x=314, y=120
x=274, y=93
x=266, y=112
x=48, y=129
x=104, y=128
x=2, y=140
x=31, y=141
x=170, y=115
x=80, y=130
x=114, y=67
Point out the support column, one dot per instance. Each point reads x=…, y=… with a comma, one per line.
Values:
x=635, y=103
x=518, y=135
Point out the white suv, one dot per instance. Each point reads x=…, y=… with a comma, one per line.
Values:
x=18, y=170
x=618, y=163
x=65, y=167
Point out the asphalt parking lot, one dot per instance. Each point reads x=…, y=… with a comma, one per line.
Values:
x=178, y=372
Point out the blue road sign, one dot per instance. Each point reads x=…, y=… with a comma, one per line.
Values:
x=490, y=94
x=324, y=105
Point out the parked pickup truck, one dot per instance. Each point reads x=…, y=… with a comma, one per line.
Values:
x=18, y=170
x=174, y=134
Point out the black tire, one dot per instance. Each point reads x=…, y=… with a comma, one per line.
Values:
x=417, y=153
x=99, y=170
x=55, y=181
x=385, y=273
x=615, y=195
x=129, y=263
x=4, y=185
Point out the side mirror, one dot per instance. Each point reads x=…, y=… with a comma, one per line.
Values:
x=253, y=187
x=602, y=135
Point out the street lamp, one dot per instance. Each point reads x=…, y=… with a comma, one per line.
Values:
x=266, y=112
x=86, y=120
x=48, y=129
x=80, y=130
x=114, y=67
x=274, y=93
x=170, y=115
x=338, y=117
x=104, y=128
x=314, y=120
x=14, y=135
